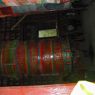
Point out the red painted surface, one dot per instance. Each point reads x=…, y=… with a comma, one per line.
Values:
x=64, y=89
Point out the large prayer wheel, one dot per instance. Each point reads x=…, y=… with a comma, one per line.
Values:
x=46, y=56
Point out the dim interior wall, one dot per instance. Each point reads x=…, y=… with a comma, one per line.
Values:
x=88, y=21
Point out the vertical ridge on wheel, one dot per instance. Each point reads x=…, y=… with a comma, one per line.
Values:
x=46, y=56
x=22, y=58
x=58, y=58
x=33, y=54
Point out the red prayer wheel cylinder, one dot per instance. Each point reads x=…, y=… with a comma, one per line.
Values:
x=46, y=56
